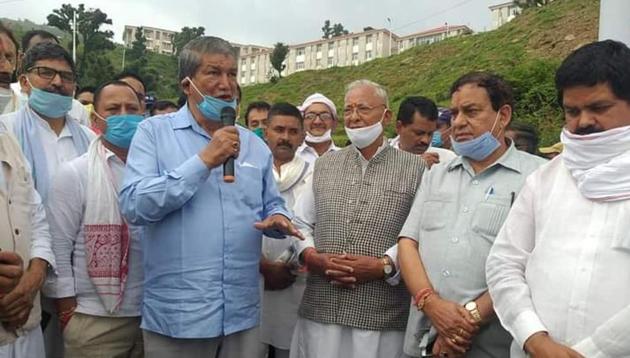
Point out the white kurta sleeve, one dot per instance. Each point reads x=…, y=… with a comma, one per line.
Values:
x=610, y=339
x=505, y=268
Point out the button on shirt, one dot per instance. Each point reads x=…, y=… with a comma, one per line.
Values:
x=455, y=218
x=201, y=250
x=66, y=207
x=561, y=264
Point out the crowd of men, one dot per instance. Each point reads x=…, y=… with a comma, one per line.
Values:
x=121, y=235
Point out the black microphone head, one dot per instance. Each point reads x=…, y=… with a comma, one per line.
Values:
x=228, y=116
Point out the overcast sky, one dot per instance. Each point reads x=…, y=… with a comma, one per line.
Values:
x=265, y=22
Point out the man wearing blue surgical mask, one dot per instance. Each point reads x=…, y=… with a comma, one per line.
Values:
x=456, y=215
x=203, y=234
x=98, y=282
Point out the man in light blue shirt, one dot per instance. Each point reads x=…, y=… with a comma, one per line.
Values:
x=202, y=241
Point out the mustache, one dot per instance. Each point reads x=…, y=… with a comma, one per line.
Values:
x=284, y=144
x=587, y=130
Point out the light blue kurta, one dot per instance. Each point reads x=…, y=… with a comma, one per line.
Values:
x=201, y=250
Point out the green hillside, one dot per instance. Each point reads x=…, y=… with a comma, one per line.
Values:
x=525, y=51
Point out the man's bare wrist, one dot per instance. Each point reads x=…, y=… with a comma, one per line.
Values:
x=532, y=342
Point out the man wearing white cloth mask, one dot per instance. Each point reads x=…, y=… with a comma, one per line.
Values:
x=350, y=215
x=559, y=270
x=320, y=120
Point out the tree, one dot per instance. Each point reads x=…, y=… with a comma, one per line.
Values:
x=187, y=34
x=95, y=41
x=339, y=30
x=334, y=31
x=278, y=56
x=327, y=30
x=137, y=55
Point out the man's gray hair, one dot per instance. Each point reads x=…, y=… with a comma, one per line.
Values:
x=378, y=89
x=190, y=57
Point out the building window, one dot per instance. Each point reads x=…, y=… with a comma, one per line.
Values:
x=355, y=41
x=299, y=65
x=300, y=51
x=330, y=61
x=157, y=35
x=318, y=62
x=368, y=38
x=355, y=57
x=319, y=48
x=331, y=45
x=368, y=55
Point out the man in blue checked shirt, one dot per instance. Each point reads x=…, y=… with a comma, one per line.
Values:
x=202, y=241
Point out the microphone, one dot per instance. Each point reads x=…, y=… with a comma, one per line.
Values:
x=228, y=116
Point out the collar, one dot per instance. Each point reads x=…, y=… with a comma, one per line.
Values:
x=509, y=160
x=65, y=131
x=307, y=148
x=184, y=119
x=383, y=145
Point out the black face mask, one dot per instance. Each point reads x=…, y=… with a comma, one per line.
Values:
x=6, y=77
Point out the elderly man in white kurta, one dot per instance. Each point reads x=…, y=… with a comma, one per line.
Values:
x=358, y=201
x=559, y=270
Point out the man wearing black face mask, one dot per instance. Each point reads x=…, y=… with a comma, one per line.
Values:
x=562, y=290
x=9, y=101
x=456, y=215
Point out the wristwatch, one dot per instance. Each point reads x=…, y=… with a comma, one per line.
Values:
x=388, y=267
x=471, y=307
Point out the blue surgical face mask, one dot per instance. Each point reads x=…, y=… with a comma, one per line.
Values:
x=436, y=140
x=478, y=148
x=210, y=107
x=48, y=104
x=121, y=128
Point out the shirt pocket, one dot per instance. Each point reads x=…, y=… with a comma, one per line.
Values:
x=434, y=213
x=250, y=189
x=489, y=216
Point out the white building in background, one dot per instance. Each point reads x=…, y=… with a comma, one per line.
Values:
x=433, y=35
x=503, y=13
x=158, y=40
x=347, y=50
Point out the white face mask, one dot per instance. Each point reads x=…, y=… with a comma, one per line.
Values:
x=319, y=139
x=599, y=163
x=363, y=137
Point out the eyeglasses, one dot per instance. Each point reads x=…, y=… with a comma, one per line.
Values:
x=49, y=74
x=324, y=116
x=362, y=110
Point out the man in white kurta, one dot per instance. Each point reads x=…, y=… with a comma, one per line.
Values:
x=99, y=311
x=559, y=270
x=284, y=283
